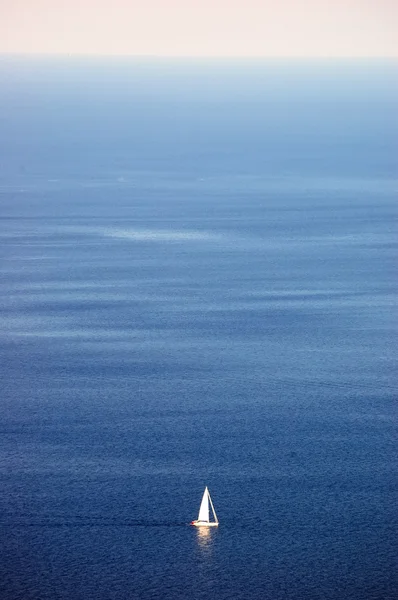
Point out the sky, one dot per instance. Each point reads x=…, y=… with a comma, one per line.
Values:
x=263, y=28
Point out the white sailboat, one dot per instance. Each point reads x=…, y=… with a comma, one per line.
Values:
x=203, y=519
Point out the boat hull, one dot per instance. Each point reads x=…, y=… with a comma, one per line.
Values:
x=203, y=524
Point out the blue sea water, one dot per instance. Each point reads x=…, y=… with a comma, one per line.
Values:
x=198, y=287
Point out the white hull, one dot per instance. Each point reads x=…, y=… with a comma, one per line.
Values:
x=204, y=524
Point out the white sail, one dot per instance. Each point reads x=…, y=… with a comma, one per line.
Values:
x=204, y=507
x=212, y=507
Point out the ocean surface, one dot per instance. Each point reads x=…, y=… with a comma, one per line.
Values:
x=198, y=287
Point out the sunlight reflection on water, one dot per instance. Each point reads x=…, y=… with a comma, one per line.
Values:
x=205, y=539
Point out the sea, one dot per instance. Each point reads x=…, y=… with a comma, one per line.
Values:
x=198, y=288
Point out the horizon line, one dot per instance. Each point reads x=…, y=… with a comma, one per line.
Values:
x=202, y=56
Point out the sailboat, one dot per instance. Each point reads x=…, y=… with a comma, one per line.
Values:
x=204, y=513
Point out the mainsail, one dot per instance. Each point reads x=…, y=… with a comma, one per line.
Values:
x=204, y=507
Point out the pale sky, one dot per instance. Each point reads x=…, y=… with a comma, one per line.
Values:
x=295, y=28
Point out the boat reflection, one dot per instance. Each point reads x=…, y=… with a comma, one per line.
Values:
x=204, y=537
